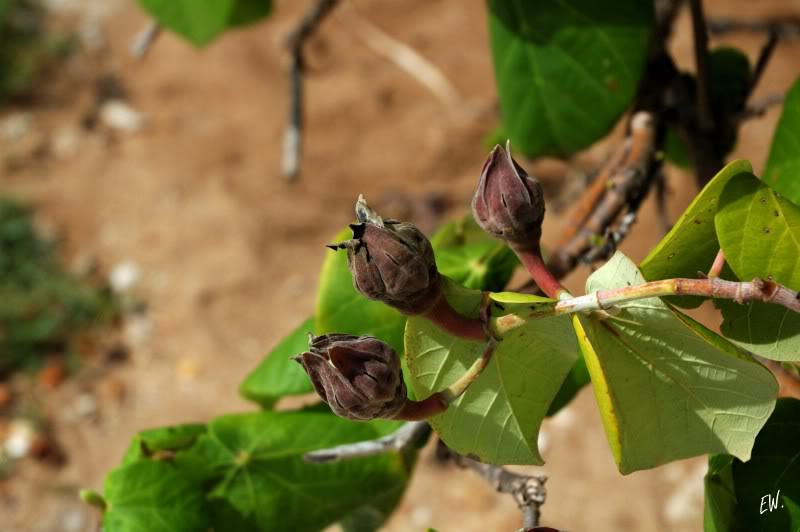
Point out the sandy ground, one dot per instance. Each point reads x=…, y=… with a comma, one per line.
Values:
x=229, y=251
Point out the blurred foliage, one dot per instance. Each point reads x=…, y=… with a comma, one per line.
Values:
x=25, y=48
x=43, y=307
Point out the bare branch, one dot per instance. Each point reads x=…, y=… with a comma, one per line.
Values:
x=405, y=57
x=622, y=182
x=760, y=107
x=784, y=28
x=408, y=435
x=528, y=490
x=293, y=135
x=705, y=114
x=763, y=59
x=144, y=40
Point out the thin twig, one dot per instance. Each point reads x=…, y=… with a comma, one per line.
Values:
x=409, y=434
x=705, y=114
x=528, y=490
x=406, y=58
x=144, y=40
x=784, y=28
x=760, y=107
x=763, y=60
x=293, y=135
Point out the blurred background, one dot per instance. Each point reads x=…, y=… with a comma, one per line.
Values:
x=151, y=252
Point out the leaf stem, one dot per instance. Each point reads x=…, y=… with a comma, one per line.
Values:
x=532, y=260
x=438, y=402
x=457, y=389
x=447, y=318
x=716, y=268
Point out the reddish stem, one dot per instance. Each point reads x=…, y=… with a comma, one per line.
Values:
x=716, y=268
x=419, y=410
x=532, y=260
x=448, y=319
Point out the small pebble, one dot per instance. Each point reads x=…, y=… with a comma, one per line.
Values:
x=20, y=438
x=124, y=276
x=117, y=114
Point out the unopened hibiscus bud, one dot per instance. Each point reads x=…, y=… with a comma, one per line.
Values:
x=392, y=262
x=358, y=376
x=509, y=204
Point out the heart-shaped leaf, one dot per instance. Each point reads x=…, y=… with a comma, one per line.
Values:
x=566, y=70
x=497, y=420
x=253, y=465
x=759, y=232
x=667, y=387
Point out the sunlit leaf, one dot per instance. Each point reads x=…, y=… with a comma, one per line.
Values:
x=692, y=243
x=497, y=420
x=667, y=387
x=783, y=164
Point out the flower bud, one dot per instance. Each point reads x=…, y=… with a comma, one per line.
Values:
x=509, y=204
x=392, y=262
x=358, y=376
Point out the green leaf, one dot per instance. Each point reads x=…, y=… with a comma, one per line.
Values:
x=200, y=21
x=759, y=232
x=469, y=256
x=720, y=513
x=153, y=496
x=255, y=464
x=577, y=378
x=667, y=387
x=566, y=70
x=173, y=438
x=768, y=330
x=783, y=164
x=498, y=418
x=692, y=243
x=774, y=466
x=277, y=375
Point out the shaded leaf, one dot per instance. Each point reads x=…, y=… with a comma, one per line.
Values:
x=200, y=21
x=277, y=375
x=255, y=465
x=667, y=387
x=566, y=70
x=720, y=513
x=782, y=171
x=153, y=496
x=497, y=420
x=774, y=467
x=692, y=243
